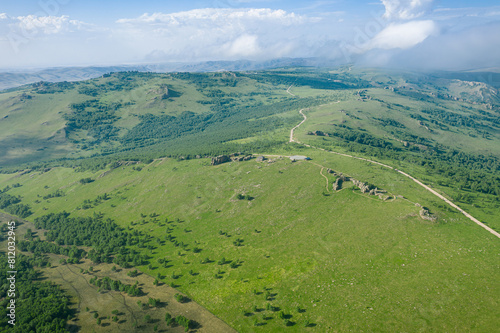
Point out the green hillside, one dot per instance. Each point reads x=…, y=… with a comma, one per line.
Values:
x=266, y=245
x=115, y=112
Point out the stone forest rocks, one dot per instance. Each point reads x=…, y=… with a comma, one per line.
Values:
x=364, y=187
x=337, y=185
x=425, y=214
x=220, y=159
x=236, y=157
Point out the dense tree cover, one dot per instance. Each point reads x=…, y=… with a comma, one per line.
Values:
x=108, y=241
x=7, y=200
x=204, y=81
x=104, y=235
x=42, y=247
x=390, y=122
x=212, y=128
x=95, y=116
x=122, y=81
x=11, y=204
x=21, y=210
x=43, y=87
x=107, y=283
x=453, y=118
x=40, y=306
x=307, y=78
x=350, y=135
x=181, y=321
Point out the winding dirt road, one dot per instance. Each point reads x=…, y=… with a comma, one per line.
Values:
x=470, y=217
x=293, y=129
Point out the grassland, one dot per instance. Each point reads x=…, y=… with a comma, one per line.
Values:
x=374, y=115
x=39, y=122
x=267, y=246
x=356, y=263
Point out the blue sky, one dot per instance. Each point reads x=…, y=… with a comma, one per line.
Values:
x=439, y=34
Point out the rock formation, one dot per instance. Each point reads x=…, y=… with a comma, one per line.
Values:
x=220, y=159
x=426, y=215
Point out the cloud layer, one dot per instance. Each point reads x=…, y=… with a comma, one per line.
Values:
x=214, y=33
x=406, y=9
x=408, y=31
x=403, y=35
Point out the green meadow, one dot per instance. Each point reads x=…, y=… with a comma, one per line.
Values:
x=338, y=261
x=270, y=246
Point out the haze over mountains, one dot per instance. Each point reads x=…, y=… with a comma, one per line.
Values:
x=10, y=79
x=16, y=78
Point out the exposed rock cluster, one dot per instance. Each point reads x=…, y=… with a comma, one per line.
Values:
x=338, y=184
x=220, y=159
x=370, y=189
x=236, y=157
x=364, y=187
x=426, y=215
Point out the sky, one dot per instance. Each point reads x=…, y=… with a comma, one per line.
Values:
x=419, y=34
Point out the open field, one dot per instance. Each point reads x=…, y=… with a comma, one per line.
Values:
x=270, y=246
x=356, y=261
x=86, y=300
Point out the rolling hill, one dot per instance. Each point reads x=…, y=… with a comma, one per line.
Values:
x=268, y=244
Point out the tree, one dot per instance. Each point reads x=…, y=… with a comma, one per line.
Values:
x=169, y=319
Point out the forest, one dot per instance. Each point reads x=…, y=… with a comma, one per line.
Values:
x=12, y=205
x=40, y=306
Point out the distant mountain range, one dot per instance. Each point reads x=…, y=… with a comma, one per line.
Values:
x=12, y=79
x=16, y=78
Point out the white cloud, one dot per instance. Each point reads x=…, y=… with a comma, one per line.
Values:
x=31, y=26
x=214, y=33
x=255, y=34
x=47, y=24
x=244, y=46
x=405, y=9
x=403, y=36
x=473, y=47
x=217, y=16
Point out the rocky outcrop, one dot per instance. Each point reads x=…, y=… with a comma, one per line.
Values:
x=376, y=191
x=364, y=187
x=220, y=159
x=338, y=184
x=425, y=214
x=236, y=157
x=370, y=189
x=241, y=158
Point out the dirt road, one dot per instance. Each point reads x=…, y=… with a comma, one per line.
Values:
x=470, y=217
